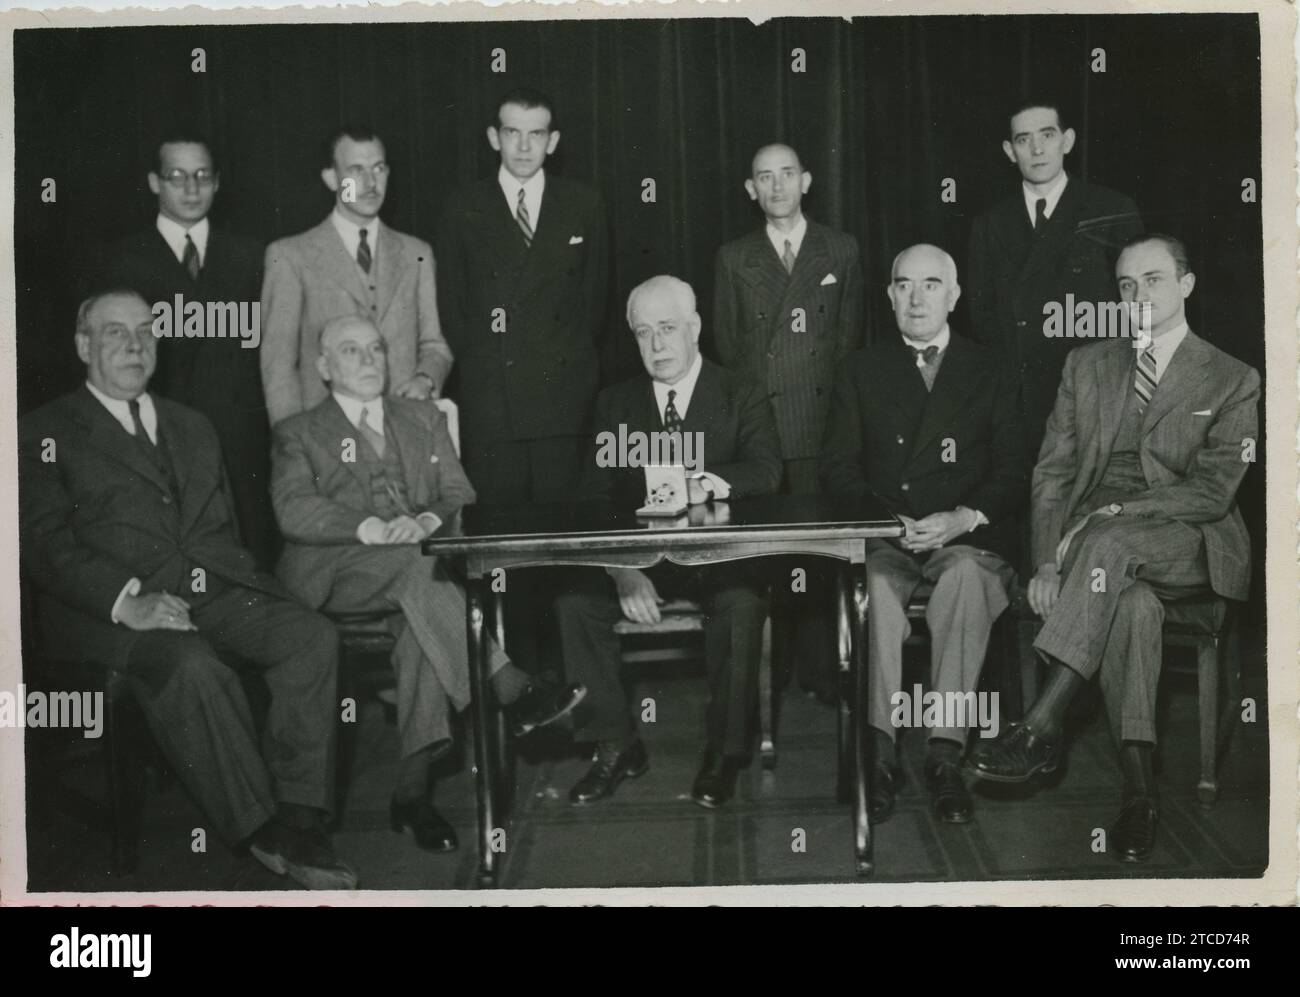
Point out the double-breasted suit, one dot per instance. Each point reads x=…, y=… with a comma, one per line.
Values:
x=311, y=278
x=922, y=452
x=1012, y=271
x=100, y=508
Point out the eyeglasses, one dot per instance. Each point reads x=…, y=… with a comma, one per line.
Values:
x=180, y=178
x=378, y=171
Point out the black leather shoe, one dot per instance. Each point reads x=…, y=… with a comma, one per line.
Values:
x=881, y=791
x=432, y=832
x=542, y=704
x=1134, y=834
x=1016, y=756
x=305, y=856
x=948, y=793
x=608, y=769
x=716, y=782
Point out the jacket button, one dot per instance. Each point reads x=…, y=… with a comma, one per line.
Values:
x=166, y=500
x=900, y=441
x=510, y=363
x=905, y=486
x=1021, y=323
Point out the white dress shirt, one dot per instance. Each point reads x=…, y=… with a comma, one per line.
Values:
x=533, y=190
x=174, y=233
x=120, y=410
x=941, y=341
x=371, y=529
x=685, y=388
x=1053, y=197
x=350, y=232
x=778, y=238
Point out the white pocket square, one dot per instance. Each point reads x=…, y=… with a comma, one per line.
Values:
x=574, y=240
x=829, y=279
x=1204, y=412
x=433, y=459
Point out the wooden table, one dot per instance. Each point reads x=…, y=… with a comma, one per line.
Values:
x=490, y=540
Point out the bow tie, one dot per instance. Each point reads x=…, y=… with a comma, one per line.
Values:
x=925, y=355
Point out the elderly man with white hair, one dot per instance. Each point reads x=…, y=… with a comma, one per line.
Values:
x=927, y=421
x=680, y=392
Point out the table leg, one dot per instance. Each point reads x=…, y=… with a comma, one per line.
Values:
x=861, y=820
x=484, y=777
x=503, y=759
x=843, y=688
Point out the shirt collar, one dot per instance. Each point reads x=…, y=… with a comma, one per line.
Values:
x=1166, y=344
x=174, y=233
x=777, y=237
x=941, y=340
x=120, y=409
x=352, y=409
x=1053, y=196
x=510, y=184
x=685, y=388
x=350, y=231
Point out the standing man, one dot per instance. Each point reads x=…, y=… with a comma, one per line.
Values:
x=350, y=264
x=1134, y=501
x=184, y=253
x=523, y=295
x=128, y=539
x=679, y=392
x=928, y=421
x=787, y=308
x=1056, y=236
x=523, y=299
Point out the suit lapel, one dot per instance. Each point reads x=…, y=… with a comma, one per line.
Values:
x=549, y=235
x=392, y=266
x=332, y=427
x=1187, y=369
x=1013, y=230
x=764, y=272
x=906, y=388
x=810, y=266
x=707, y=405
x=491, y=220
x=112, y=440
x=413, y=447
x=1114, y=382
x=953, y=384
x=330, y=256
x=1057, y=229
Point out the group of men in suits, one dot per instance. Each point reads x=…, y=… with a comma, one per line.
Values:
x=132, y=535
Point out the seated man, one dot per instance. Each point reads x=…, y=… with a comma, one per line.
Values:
x=927, y=421
x=683, y=393
x=128, y=536
x=1133, y=501
x=357, y=481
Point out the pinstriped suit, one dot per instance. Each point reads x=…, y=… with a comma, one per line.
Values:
x=1182, y=533
x=756, y=334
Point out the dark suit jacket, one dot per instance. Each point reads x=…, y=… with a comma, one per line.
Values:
x=218, y=377
x=888, y=435
x=1205, y=405
x=740, y=442
x=755, y=333
x=320, y=500
x=1011, y=272
x=101, y=513
x=538, y=378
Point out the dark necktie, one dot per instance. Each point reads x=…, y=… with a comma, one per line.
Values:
x=139, y=430
x=363, y=252
x=525, y=223
x=1040, y=214
x=672, y=420
x=190, y=259
x=925, y=363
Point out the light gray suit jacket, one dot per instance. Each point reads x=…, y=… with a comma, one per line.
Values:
x=310, y=279
x=1192, y=448
x=320, y=499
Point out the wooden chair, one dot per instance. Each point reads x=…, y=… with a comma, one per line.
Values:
x=682, y=616
x=1207, y=624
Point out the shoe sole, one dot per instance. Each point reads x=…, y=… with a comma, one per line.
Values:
x=629, y=774
x=521, y=730
x=308, y=876
x=1045, y=769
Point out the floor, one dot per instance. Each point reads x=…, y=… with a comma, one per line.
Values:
x=651, y=834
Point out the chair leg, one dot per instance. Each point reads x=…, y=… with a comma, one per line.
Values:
x=1230, y=659
x=1207, y=688
x=766, y=700
x=844, y=685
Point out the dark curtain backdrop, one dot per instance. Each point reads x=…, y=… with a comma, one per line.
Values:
x=886, y=110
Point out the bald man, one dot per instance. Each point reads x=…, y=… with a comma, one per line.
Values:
x=357, y=482
x=679, y=391
x=927, y=421
x=787, y=308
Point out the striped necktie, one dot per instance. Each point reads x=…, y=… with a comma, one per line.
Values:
x=787, y=258
x=370, y=434
x=521, y=216
x=364, y=259
x=1145, y=380
x=191, y=258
